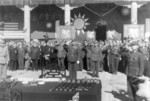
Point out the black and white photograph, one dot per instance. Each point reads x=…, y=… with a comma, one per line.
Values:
x=74, y=50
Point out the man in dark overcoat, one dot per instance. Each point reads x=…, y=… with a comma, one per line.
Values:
x=21, y=55
x=35, y=54
x=13, y=51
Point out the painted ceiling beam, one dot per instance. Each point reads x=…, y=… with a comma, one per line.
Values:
x=62, y=2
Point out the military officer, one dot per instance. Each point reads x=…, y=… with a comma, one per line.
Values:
x=115, y=58
x=88, y=57
x=34, y=54
x=73, y=59
x=96, y=58
x=135, y=69
x=4, y=60
x=61, y=55
x=81, y=56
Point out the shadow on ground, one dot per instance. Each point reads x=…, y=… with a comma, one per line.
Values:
x=120, y=95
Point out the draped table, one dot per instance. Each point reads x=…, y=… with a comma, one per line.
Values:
x=54, y=91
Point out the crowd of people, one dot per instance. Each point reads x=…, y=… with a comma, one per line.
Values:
x=95, y=55
x=132, y=56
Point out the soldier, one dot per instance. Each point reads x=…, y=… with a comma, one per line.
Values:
x=115, y=58
x=89, y=57
x=81, y=56
x=4, y=60
x=135, y=69
x=73, y=59
x=144, y=51
x=101, y=58
x=61, y=55
x=96, y=57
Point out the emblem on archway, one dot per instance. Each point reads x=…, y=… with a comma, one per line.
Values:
x=80, y=22
x=125, y=11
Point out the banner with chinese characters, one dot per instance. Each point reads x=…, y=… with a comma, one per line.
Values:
x=65, y=32
x=90, y=35
x=113, y=35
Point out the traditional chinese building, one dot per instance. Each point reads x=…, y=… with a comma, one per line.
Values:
x=19, y=18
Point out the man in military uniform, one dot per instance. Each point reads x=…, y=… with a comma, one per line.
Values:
x=73, y=59
x=135, y=69
x=61, y=55
x=88, y=57
x=96, y=58
x=81, y=56
x=144, y=51
x=115, y=58
x=4, y=60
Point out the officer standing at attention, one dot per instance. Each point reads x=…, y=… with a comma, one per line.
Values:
x=73, y=59
x=135, y=69
x=4, y=60
x=96, y=57
x=61, y=55
x=88, y=57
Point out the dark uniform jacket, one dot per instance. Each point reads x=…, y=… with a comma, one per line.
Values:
x=88, y=52
x=53, y=52
x=35, y=52
x=136, y=64
x=21, y=52
x=73, y=53
x=13, y=53
x=96, y=53
x=81, y=52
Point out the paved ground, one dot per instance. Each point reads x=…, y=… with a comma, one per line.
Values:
x=114, y=87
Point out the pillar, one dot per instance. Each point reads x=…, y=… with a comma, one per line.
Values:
x=27, y=24
x=134, y=13
x=67, y=14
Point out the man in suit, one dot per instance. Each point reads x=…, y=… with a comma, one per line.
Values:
x=4, y=60
x=53, y=54
x=135, y=69
x=13, y=51
x=21, y=54
x=73, y=59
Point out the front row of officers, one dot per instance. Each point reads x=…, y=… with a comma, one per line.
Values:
x=74, y=52
x=98, y=55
